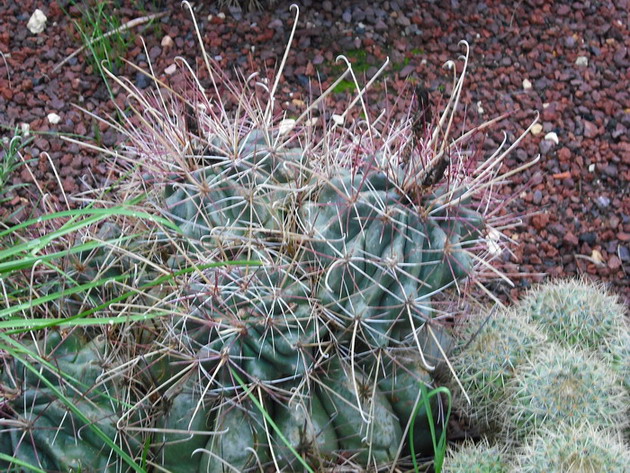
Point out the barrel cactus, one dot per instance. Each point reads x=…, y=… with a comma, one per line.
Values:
x=261, y=317
x=245, y=444
x=401, y=385
x=309, y=432
x=181, y=421
x=65, y=410
x=239, y=193
x=382, y=255
x=368, y=430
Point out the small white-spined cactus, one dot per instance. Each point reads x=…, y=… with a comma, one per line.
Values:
x=577, y=449
x=576, y=312
x=490, y=349
x=563, y=386
x=618, y=356
x=477, y=458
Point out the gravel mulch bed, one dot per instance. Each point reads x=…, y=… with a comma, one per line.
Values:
x=568, y=60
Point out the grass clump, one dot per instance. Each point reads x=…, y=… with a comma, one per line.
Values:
x=99, y=29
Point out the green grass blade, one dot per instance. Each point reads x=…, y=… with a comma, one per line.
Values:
x=70, y=321
x=29, y=261
x=38, y=324
x=59, y=295
x=96, y=215
x=439, y=446
x=20, y=463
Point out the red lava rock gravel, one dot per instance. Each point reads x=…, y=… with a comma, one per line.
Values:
x=568, y=60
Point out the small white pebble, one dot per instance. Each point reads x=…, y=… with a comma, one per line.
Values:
x=26, y=129
x=37, y=22
x=286, y=126
x=166, y=42
x=338, y=119
x=537, y=129
x=591, y=168
x=53, y=118
x=493, y=239
x=480, y=109
x=552, y=136
x=221, y=15
x=527, y=85
x=581, y=61
x=170, y=69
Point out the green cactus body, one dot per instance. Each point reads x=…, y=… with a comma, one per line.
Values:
x=477, y=458
x=53, y=437
x=576, y=449
x=617, y=355
x=577, y=313
x=261, y=315
x=488, y=351
x=564, y=386
x=368, y=443
x=380, y=258
x=240, y=196
x=401, y=387
x=242, y=444
x=54, y=441
x=177, y=451
x=308, y=430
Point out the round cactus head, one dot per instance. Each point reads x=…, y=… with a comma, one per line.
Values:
x=241, y=193
x=382, y=260
x=258, y=319
x=62, y=410
x=490, y=348
x=575, y=449
x=576, y=312
x=563, y=386
x=477, y=458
